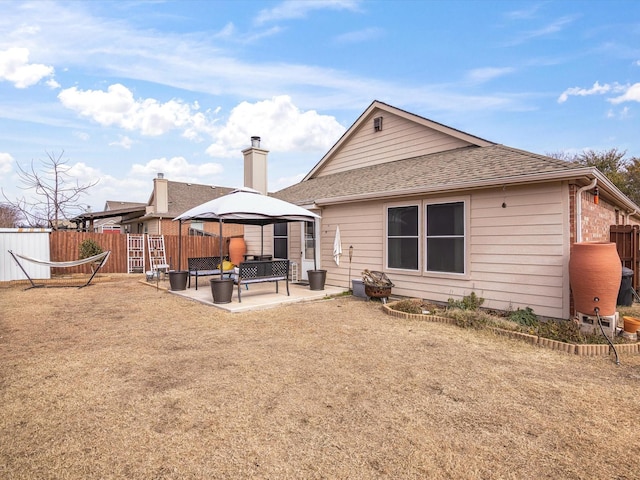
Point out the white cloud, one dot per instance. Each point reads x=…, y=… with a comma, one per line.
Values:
x=124, y=142
x=84, y=136
x=280, y=124
x=488, y=73
x=632, y=94
x=290, y=9
x=177, y=169
x=6, y=163
x=360, y=36
x=597, y=89
x=117, y=107
x=15, y=68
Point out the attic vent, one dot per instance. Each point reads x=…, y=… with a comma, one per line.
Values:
x=377, y=124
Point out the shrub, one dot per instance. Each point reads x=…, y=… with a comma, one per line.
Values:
x=470, y=302
x=89, y=248
x=524, y=317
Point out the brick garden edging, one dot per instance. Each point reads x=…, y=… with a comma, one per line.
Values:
x=572, y=348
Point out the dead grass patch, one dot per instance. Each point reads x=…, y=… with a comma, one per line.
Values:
x=119, y=380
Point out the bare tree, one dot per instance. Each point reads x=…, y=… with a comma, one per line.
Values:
x=9, y=216
x=55, y=196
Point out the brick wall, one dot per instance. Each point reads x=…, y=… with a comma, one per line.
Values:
x=596, y=219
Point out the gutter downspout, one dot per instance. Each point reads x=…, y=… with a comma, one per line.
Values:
x=579, y=208
x=628, y=215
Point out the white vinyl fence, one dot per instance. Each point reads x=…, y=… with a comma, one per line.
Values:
x=32, y=242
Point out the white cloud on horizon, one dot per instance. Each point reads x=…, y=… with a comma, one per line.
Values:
x=15, y=68
x=124, y=142
x=630, y=93
x=117, y=107
x=282, y=126
x=175, y=168
x=6, y=163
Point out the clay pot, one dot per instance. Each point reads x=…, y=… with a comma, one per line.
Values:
x=237, y=249
x=631, y=324
x=595, y=272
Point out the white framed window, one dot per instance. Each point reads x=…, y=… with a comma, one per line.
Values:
x=403, y=237
x=445, y=237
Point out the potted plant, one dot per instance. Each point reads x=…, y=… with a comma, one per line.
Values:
x=89, y=248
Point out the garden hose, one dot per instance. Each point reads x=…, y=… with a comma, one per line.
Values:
x=597, y=310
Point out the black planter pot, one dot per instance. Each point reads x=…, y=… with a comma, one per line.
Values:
x=222, y=289
x=317, y=279
x=178, y=279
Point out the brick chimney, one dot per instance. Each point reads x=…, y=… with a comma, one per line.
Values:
x=255, y=166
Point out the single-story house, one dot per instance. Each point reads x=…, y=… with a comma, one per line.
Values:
x=445, y=213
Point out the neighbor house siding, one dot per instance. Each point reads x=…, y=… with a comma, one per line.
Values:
x=398, y=139
x=516, y=255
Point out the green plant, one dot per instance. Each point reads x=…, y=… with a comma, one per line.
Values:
x=469, y=302
x=89, y=248
x=524, y=317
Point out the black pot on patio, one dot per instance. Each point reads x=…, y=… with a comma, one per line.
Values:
x=316, y=279
x=178, y=279
x=222, y=289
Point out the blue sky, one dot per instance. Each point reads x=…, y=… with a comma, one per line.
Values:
x=129, y=89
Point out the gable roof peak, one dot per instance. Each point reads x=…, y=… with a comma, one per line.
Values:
x=372, y=110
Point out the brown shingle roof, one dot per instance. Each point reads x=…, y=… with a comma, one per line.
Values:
x=183, y=196
x=427, y=172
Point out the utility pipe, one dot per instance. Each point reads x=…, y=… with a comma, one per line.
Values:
x=579, y=208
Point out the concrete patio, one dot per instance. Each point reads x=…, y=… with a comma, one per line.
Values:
x=259, y=295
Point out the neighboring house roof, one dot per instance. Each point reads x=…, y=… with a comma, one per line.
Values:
x=183, y=196
x=130, y=211
x=116, y=205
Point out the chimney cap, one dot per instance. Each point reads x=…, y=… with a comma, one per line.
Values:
x=255, y=142
x=160, y=175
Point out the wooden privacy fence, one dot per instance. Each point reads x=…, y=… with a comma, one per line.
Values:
x=627, y=240
x=65, y=246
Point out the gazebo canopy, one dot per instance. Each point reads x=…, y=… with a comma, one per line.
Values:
x=248, y=207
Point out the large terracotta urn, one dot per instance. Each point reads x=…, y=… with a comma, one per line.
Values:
x=237, y=249
x=595, y=273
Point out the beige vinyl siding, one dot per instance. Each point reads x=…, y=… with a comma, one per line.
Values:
x=516, y=255
x=252, y=238
x=361, y=225
x=398, y=139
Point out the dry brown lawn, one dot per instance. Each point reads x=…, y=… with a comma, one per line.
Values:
x=120, y=380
